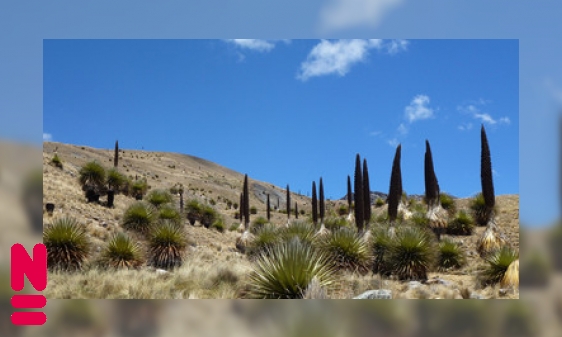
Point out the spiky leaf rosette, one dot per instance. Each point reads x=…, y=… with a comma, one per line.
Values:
x=301, y=229
x=139, y=217
x=366, y=194
x=314, y=204
x=381, y=242
x=121, y=252
x=159, y=198
x=208, y=216
x=486, y=172
x=431, y=184
x=287, y=271
x=480, y=211
x=166, y=246
x=67, y=245
x=358, y=195
x=498, y=265
x=395, y=192
x=347, y=250
x=115, y=180
x=92, y=175
x=171, y=214
x=264, y=238
x=490, y=241
x=451, y=255
x=322, y=205
x=193, y=210
x=411, y=254
x=246, y=208
x=462, y=224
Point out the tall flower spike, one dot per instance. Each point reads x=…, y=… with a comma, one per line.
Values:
x=358, y=195
x=486, y=172
x=395, y=192
x=431, y=184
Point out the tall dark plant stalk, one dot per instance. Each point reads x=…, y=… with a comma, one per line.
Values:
x=486, y=173
x=431, y=183
x=296, y=210
x=180, y=192
x=288, y=202
x=116, y=154
x=366, y=194
x=268, y=209
x=395, y=192
x=314, y=204
x=358, y=195
x=349, y=193
x=241, y=208
x=322, y=202
x=246, y=203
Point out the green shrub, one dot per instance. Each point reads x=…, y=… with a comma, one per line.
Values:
x=139, y=189
x=170, y=213
x=379, y=202
x=335, y=223
x=258, y=223
x=219, y=225
x=67, y=245
x=462, y=224
x=451, y=255
x=381, y=244
x=448, y=203
x=287, y=271
x=343, y=210
x=420, y=220
x=56, y=161
x=265, y=238
x=234, y=227
x=303, y=230
x=346, y=250
x=208, y=216
x=480, y=212
x=498, y=263
x=139, y=217
x=166, y=246
x=115, y=180
x=253, y=210
x=92, y=175
x=411, y=254
x=158, y=198
x=121, y=252
x=194, y=209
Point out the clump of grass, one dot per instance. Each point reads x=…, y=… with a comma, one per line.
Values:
x=258, y=223
x=498, y=264
x=139, y=217
x=208, y=216
x=379, y=202
x=303, y=230
x=287, y=271
x=219, y=225
x=139, y=189
x=169, y=213
x=412, y=254
x=480, y=212
x=56, y=161
x=121, y=252
x=448, y=203
x=264, y=239
x=346, y=250
x=420, y=220
x=253, y=210
x=158, y=198
x=92, y=175
x=451, y=255
x=381, y=244
x=193, y=209
x=166, y=246
x=343, y=210
x=234, y=227
x=335, y=223
x=67, y=245
x=461, y=224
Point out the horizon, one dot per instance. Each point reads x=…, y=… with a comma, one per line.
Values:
x=367, y=95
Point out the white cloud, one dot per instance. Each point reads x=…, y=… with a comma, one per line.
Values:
x=485, y=118
x=342, y=14
x=393, y=142
x=465, y=127
x=418, y=109
x=505, y=120
x=402, y=129
x=396, y=46
x=253, y=44
x=335, y=57
x=47, y=137
x=476, y=113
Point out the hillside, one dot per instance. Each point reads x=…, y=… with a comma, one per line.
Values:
x=211, y=183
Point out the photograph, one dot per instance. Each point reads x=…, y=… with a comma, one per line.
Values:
x=281, y=169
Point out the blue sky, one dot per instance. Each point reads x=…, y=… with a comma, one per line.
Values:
x=537, y=26
x=291, y=111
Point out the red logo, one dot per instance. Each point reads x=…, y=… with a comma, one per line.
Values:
x=36, y=271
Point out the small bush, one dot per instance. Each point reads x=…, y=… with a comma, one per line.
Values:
x=219, y=225
x=381, y=244
x=253, y=210
x=234, y=227
x=92, y=175
x=193, y=209
x=139, y=189
x=158, y=198
x=411, y=254
x=498, y=263
x=379, y=202
x=462, y=224
x=115, y=180
x=258, y=223
x=346, y=250
x=208, y=216
x=480, y=212
x=448, y=203
x=56, y=161
x=170, y=213
x=420, y=220
x=265, y=238
x=288, y=270
x=67, y=245
x=139, y=217
x=303, y=230
x=335, y=223
x=121, y=252
x=451, y=255
x=166, y=246
x=343, y=210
